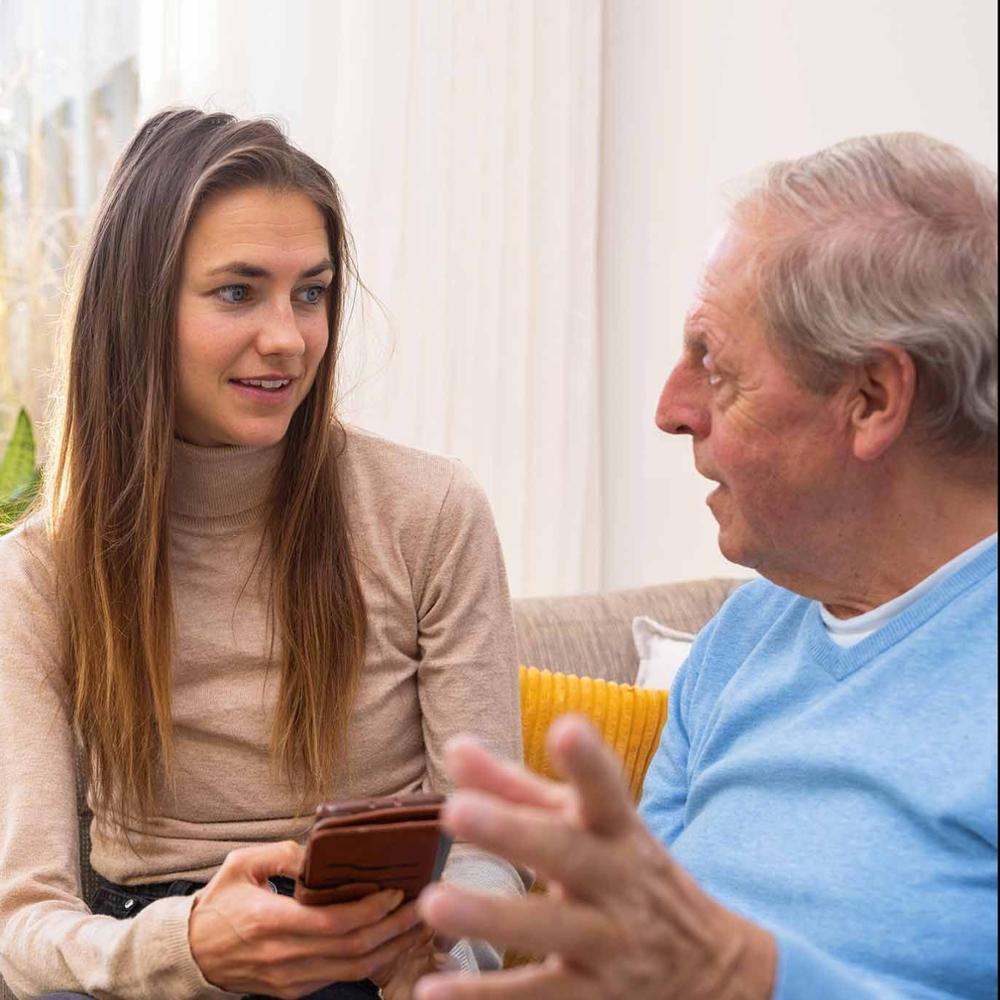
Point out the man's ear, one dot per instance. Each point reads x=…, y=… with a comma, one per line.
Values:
x=882, y=400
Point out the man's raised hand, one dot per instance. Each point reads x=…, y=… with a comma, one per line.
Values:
x=621, y=919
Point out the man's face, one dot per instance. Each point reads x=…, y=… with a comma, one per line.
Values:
x=779, y=452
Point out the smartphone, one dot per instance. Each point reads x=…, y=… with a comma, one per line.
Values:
x=363, y=846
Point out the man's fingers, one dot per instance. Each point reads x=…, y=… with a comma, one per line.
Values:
x=581, y=756
x=578, y=753
x=535, y=925
x=474, y=767
x=542, y=841
x=539, y=982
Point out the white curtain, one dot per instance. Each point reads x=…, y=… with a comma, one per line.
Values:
x=67, y=104
x=531, y=185
x=466, y=138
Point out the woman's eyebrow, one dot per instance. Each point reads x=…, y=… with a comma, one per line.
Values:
x=245, y=270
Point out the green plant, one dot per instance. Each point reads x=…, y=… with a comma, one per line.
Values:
x=20, y=477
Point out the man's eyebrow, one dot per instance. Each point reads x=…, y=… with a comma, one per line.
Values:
x=245, y=270
x=694, y=335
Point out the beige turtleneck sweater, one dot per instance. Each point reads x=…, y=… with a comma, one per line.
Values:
x=440, y=660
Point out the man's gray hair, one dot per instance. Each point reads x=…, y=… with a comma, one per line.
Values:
x=884, y=239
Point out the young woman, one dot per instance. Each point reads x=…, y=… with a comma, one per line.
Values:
x=233, y=606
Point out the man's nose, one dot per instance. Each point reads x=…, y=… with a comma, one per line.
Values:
x=279, y=332
x=681, y=409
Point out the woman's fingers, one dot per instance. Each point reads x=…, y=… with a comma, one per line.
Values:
x=352, y=928
x=247, y=939
x=258, y=863
x=300, y=974
x=373, y=936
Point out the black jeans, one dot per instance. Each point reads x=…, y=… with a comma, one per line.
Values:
x=123, y=902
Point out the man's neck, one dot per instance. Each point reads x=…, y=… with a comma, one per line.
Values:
x=895, y=585
x=908, y=530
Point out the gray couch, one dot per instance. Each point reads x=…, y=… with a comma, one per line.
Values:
x=589, y=635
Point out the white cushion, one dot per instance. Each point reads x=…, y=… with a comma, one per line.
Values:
x=661, y=651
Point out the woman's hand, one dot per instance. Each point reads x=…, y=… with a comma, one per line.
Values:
x=398, y=979
x=247, y=939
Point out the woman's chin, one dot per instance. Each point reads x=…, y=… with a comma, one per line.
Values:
x=244, y=434
x=258, y=437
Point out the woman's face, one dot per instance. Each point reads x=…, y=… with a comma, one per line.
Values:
x=252, y=316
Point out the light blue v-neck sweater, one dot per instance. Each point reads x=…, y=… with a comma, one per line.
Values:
x=845, y=798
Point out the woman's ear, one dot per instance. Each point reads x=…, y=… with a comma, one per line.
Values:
x=883, y=397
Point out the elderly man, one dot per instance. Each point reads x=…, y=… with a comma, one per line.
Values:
x=820, y=822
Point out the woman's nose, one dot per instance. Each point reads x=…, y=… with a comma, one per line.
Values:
x=280, y=334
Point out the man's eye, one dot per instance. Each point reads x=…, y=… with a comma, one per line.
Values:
x=234, y=294
x=312, y=295
x=714, y=378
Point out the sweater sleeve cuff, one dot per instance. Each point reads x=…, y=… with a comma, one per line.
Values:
x=478, y=871
x=183, y=977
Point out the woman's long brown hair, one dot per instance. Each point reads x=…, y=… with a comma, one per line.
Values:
x=108, y=490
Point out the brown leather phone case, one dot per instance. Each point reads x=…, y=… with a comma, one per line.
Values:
x=359, y=847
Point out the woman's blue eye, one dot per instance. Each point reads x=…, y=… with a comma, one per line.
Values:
x=234, y=294
x=312, y=294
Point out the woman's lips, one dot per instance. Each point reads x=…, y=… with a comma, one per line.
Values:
x=276, y=396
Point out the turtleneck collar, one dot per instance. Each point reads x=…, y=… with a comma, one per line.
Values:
x=228, y=483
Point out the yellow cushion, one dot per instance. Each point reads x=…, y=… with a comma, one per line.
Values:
x=629, y=718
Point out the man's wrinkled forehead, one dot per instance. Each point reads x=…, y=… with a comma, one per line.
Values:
x=724, y=281
x=712, y=250
x=716, y=240
x=725, y=271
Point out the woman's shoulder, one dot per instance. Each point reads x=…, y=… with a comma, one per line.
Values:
x=385, y=472
x=402, y=493
x=26, y=568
